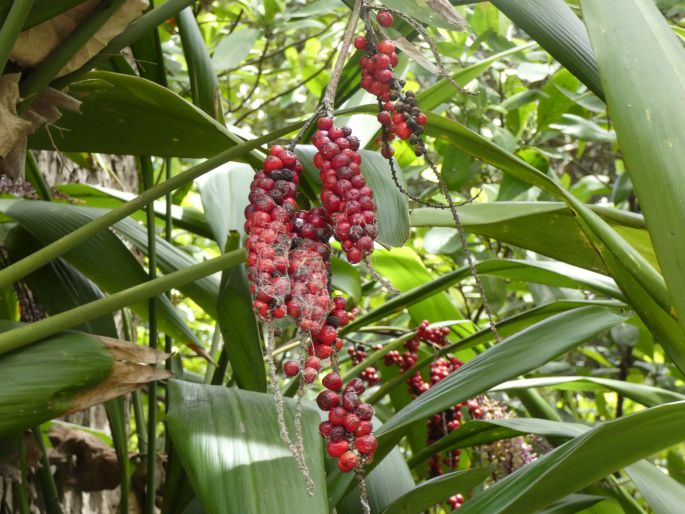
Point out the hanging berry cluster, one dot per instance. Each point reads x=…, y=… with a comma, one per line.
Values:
x=344, y=194
x=440, y=424
x=348, y=428
x=370, y=373
x=289, y=270
x=399, y=113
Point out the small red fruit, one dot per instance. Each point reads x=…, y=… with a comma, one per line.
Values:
x=291, y=368
x=364, y=428
x=310, y=375
x=337, y=416
x=332, y=381
x=347, y=462
x=313, y=362
x=327, y=400
x=367, y=444
x=351, y=422
x=386, y=47
x=337, y=448
x=360, y=42
x=325, y=428
x=384, y=19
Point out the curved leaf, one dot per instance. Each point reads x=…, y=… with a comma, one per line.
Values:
x=144, y=118
x=229, y=445
x=584, y=459
x=663, y=494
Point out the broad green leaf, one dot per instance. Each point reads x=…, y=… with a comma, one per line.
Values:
x=240, y=331
x=65, y=373
x=103, y=258
x=649, y=117
x=435, y=13
x=144, y=118
x=392, y=206
x=345, y=277
x=405, y=270
x=663, y=494
x=575, y=503
x=544, y=272
x=387, y=482
x=224, y=193
x=641, y=393
x=517, y=354
x=548, y=228
x=229, y=444
x=584, y=459
x=437, y=490
x=554, y=25
x=474, y=433
x=232, y=49
x=204, y=83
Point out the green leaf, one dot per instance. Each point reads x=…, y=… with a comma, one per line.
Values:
x=437, y=490
x=641, y=393
x=405, y=270
x=575, y=503
x=663, y=494
x=229, y=444
x=204, y=83
x=136, y=110
x=387, y=482
x=233, y=49
x=65, y=373
x=522, y=352
x=224, y=193
x=345, y=277
x=48, y=221
x=548, y=228
x=554, y=25
x=649, y=117
x=584, y=459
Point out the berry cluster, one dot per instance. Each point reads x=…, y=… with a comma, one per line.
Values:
x=345, y=196
x=324, y=342
x=399, y=113
x=369, y=374
x=309, y=265
x=270, y=231
x=348, y=428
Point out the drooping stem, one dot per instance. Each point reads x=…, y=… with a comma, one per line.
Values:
x=329, y=95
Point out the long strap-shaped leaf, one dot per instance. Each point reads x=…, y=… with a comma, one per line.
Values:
x=583, y=460
x=518, y=354
x=642, y=65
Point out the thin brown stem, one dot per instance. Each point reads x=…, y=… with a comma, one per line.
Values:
x=329, y=95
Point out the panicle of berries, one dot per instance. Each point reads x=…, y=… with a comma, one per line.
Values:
x=308, y=268
x=369, y=374
x=269, y=229
x=348, y=429
x=399, y=113
x=347, y=199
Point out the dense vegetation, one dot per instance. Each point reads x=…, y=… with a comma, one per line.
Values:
x=470, y=214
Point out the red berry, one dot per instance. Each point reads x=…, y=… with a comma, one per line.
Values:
x=386, y=47
x=272, y=163
x=355, y=385
x=276, y=149
x=364, y=428
x=366, y=444
x=337, y=416
x=313, y=362
x=360, y=42
x=310, y=375
x=352, y=421
x=350, y=401
x=421, y=119
x=347, y=462
x=325, y=428
x=364, y=411
x=327, y=400
x=324, y=123
x=337, y=448
x=291, y=368
x=332, y=381
x=384, y=19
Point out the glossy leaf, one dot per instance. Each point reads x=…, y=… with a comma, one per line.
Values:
x=136, y=109
x=586, y=458
x=649, y=116
x=103, y=258
x=663, y=494
x=228, y=442
x=345, y=277
x=437, y=490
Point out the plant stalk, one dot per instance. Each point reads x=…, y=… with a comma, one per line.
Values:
x=12, y=27
x=27, y=334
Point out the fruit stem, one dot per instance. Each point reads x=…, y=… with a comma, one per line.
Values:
x=329, y=95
